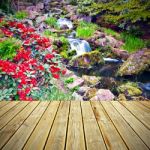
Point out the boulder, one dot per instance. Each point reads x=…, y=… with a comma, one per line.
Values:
x=78, y=82
x=82, y=90
x=136, y=63
x=103, y=95
x=91, y=80
x=122, y=97
x=130, y=89
x=76, y=96
x=87, y=60
x=91, y=92
x=123, y=54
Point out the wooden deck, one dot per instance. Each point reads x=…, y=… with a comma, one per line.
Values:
x=75, y=125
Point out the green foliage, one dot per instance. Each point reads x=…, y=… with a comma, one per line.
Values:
x=3, y=23
x=8, y=48
x=8, y=87
x=48, y=33
x=85, y=29
x=51, y=21
x=75, y=89
x=51, y=94
x=69, y=80
x=120, y=12
x=21, y=15
x=132, y=43
x=111, y=32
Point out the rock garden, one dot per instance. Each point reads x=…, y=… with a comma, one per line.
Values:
x=74, y=50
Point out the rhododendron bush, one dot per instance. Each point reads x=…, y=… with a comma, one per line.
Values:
x=32, y=67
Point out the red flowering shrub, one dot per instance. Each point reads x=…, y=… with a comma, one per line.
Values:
x=34, y=64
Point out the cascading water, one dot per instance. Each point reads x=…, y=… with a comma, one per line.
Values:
x=81, y=46
x=63, y=21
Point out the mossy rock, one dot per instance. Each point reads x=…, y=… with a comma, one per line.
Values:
x=130, y=89
x=87, y=60
x=136, y=63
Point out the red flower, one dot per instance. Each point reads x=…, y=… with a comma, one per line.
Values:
x=41, y=68
x=56, y=76
x=63, y=72
x=49, y=56
x=7, y=32
x=54, y=69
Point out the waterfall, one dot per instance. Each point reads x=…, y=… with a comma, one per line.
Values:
x=81, y=46
x=63, y=21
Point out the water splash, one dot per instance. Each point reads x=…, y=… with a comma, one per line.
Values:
x=63, y=21
x=81, y=46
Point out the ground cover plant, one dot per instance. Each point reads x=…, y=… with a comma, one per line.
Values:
x=29, y=66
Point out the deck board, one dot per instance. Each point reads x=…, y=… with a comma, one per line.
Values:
x=75, y=125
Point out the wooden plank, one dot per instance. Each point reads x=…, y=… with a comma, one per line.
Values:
x=113, y=140
x=3, y=103
x=140, y=111
x=11, y=113
x=131, y=139
x=94, y=140
x=10, y=105
x=137, y=126
x=56, y=139
x=75, y=135
x=15, y=123
x=145, y=103
x=38, y=138
x=20, y=137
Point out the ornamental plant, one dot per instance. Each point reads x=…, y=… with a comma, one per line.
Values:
x=21, y=15
x=32, y=66
x=9, y=47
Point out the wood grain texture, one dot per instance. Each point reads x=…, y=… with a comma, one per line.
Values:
x=141, y=112
x=93, y=135
x=57, y=137
x=11, y=113
x=75, y=125
x=113, y=140
x=131, y=139
x=18, y=140
x=75, y=135
x=40, y=134
x=7, y=132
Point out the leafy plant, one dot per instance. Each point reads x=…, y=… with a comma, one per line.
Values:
x=21, y=15
x=49, y=33
x=51, y=21
x=69, y=80
x=132, y=43
x=51, y=94
x=9, y=47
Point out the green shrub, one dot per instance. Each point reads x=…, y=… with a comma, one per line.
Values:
x=8, y=48
x=51, y=94
x=132, y=43
x=85, y=29
x=51, y=21
x=69, y=80
x=21, y=15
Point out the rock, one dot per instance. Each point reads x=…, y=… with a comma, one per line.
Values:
x=103, y=95
x=91, y=92
x=40, y=19
x=91, y=80
x=33, y=14
x=123, y=54
x=40, y=6
x=82, y=90
x=77, y=96
x=78, y=82
x=106, y=83
x=87, y=60
x=122, y=97
x=130, y=89
x=136, y=63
